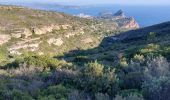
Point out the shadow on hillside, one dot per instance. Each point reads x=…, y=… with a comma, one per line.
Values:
x=111, y=48
x=102, y=53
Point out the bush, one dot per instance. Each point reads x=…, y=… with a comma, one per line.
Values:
x=58, y=92
x=93, y=69
x=157, y=89
x=95, y=78
x=36, y=61
x=14, y=95
x=157, y=67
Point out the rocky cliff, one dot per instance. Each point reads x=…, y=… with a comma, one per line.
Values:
x=120, y=18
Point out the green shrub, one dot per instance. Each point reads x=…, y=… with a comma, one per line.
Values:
x=37, y=61
x=94, y=78
x=93, y=69
x=157, y=89
x=58, y=92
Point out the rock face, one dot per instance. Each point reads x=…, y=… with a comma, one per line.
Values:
x=127, y=23
x=131, y=23
x=20, y=32
x=50, y=28
x=121, y=20
x=119, y=14
x=4, y=38
x=45, y=29
x=27, y=44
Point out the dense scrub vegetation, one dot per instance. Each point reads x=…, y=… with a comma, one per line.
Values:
x=134, y=73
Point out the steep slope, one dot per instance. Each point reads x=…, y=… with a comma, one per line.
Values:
x=159, y=29
x=120, y=18
x=154, y=40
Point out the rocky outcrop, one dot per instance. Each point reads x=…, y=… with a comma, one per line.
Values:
x=46, y=29
x=127, y=23
x=4, y=38
x=20, y=32
x=120, y=19
x=27, y=44
x=57, y=42
x=119, y=14
x=131, y=24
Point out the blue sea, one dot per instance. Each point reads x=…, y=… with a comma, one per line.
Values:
x=144, y=15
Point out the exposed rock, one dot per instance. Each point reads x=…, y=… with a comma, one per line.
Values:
x=87, y=40
x=129, y=23
x=110, y=15
x=46, y=29
x=20, y=32
x=119, y=14
x=57, y=42
x=120, y=19
x=43, y=30
x=30, y=45
x=4, y=38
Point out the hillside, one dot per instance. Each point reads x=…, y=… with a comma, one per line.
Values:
x=54, y=56
x=155, y=39
x=25, y=30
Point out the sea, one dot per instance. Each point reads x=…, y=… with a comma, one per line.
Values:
x=144, y=15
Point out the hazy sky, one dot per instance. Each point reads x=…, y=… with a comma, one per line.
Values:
x=87, y=2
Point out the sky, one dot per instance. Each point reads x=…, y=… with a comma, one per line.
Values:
x=94, y=2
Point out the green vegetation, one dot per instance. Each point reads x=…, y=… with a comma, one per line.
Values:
x=132, y=68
